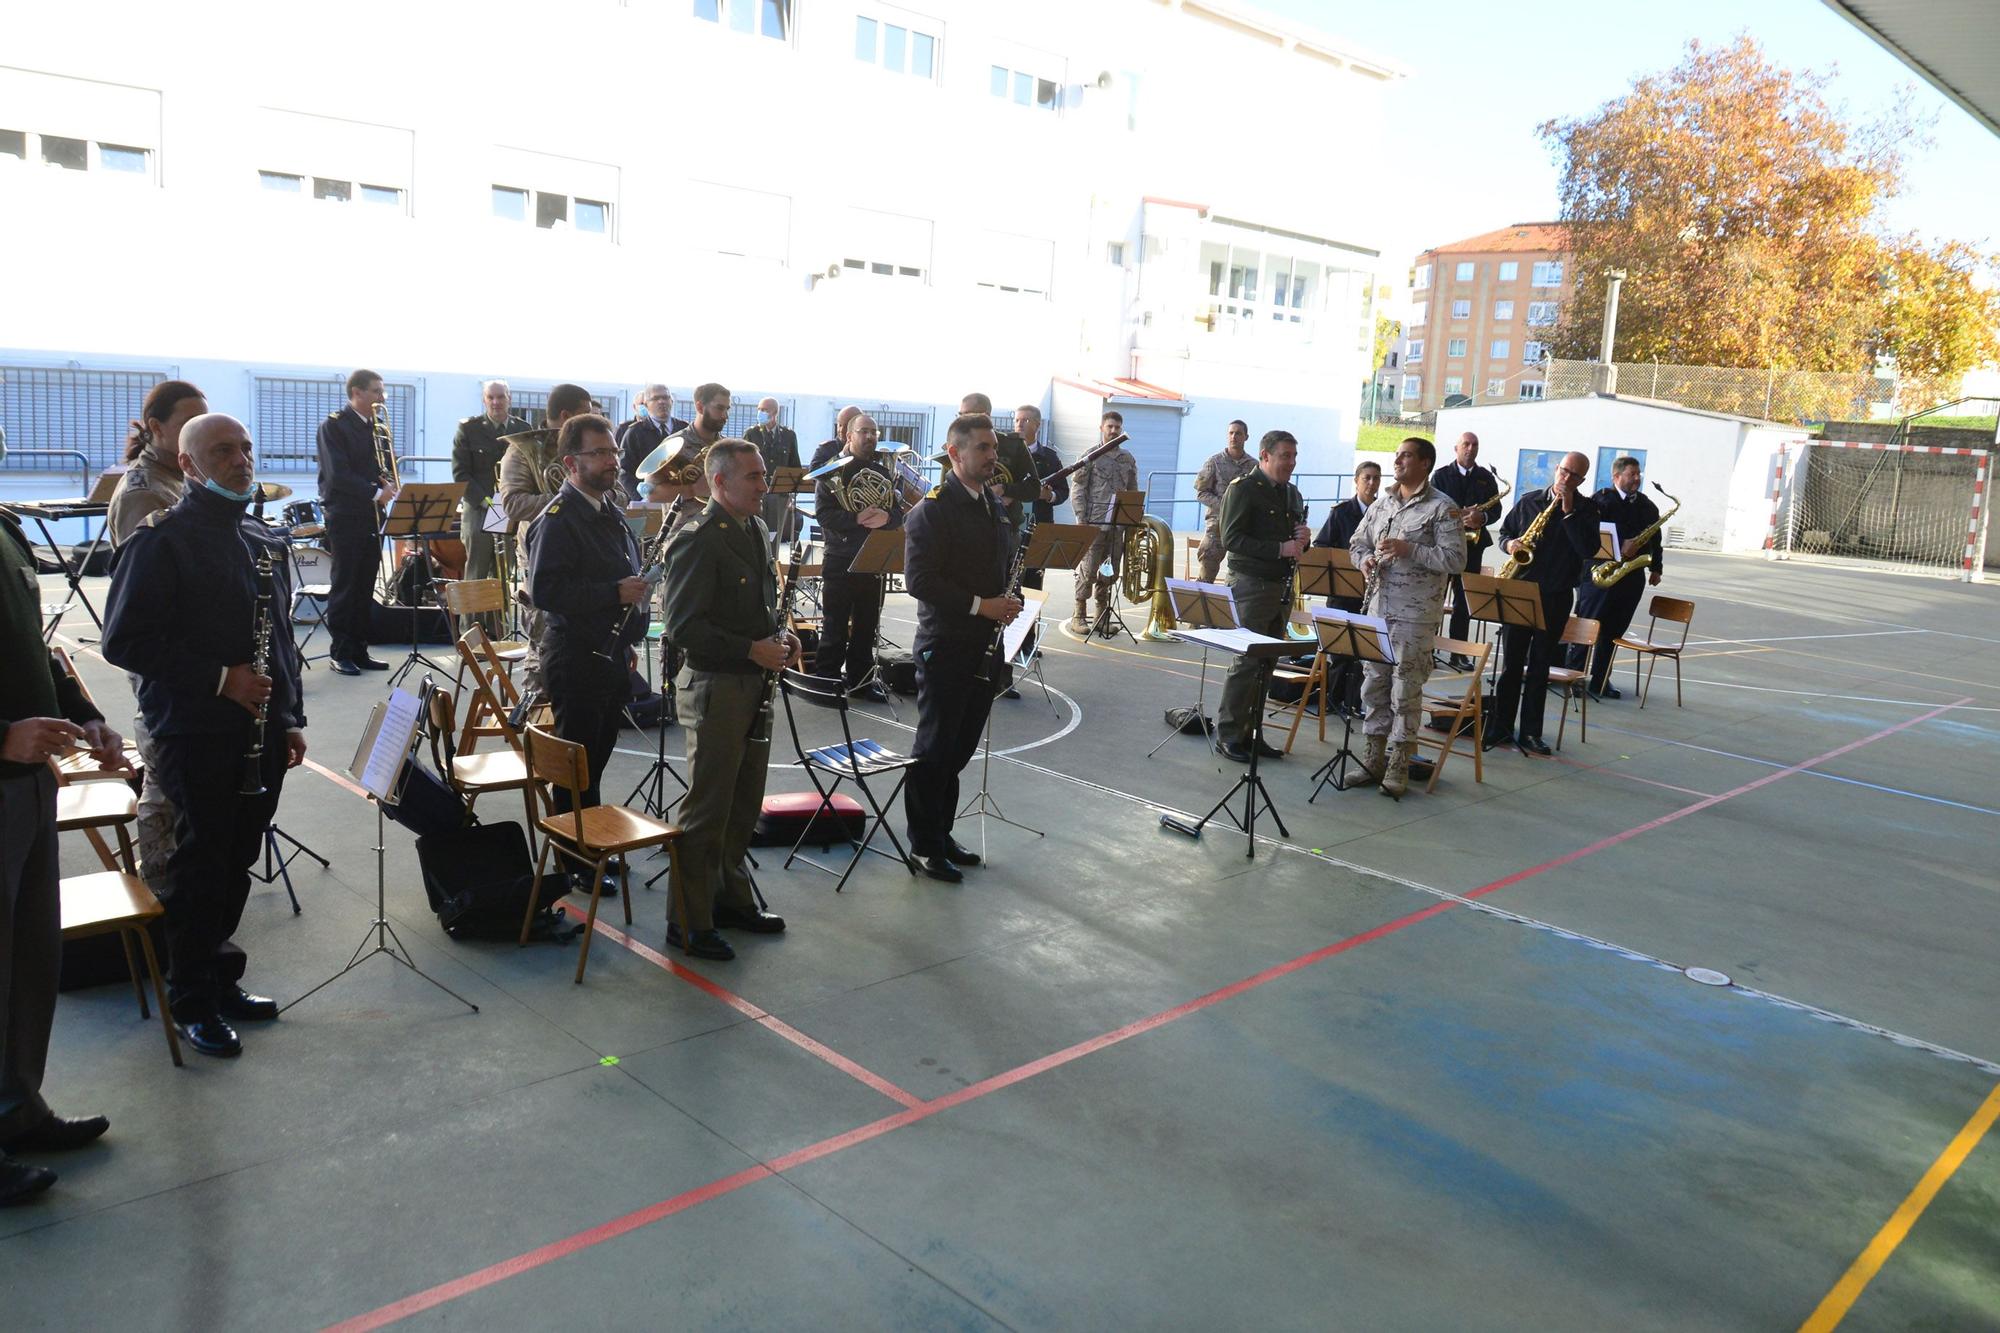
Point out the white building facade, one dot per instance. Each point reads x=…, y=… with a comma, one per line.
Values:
x=829, y=202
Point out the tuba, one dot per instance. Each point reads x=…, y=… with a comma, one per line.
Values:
x=1607, y=572
x=1148, y=549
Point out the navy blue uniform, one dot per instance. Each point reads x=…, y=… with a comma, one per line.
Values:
x=1047, y=463
x=1561, y=552
x=636, y=439
x=348, y=478
x=182, y=611
x=1612, y=608
x=1336, y=532
x=1466, y=489
x=957, y=546
x=577, y=553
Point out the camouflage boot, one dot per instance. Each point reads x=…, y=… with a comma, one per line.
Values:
x=1374, y=754
x=1396, y=779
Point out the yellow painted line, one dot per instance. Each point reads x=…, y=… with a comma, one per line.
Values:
x=1862, y=1271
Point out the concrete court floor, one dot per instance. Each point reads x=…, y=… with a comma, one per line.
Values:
x=1442, y=1072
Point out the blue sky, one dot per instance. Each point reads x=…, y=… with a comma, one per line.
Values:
x=1467, y=158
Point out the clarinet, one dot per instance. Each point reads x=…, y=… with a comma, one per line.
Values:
x=260, y=662
x=760, y=721
x=652, y=555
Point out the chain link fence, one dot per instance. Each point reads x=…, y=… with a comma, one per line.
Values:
x=1792, y=396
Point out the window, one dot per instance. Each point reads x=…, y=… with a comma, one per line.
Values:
x=84, y=410
x=69, y=154
x=337, y=191
x=896, y=45
x=1510, y=271
x=62, y=125
x=509, y=203
x=1548, y=273
x=1465, y=271
x=14, y=143
x=381, y=194
x=554, y=193
x=1022, y=89
x=333, y=161
x=1454, y=384
x=1114, y=253
x=1541, y=313
x=1495, y=388
x=1606, y=456
x=1531, y=391
x=1423, y=278
x=1392, y=359
x=762, y=18
x=1455, y=347
x=1020, y=265
x=1500, y=349
x=1534, y=353
x=552, y=212
x=281, y=182
x=1461, y=309
x=1416, y=352
x=121, y=157
x=1412, y=387
x=886, y=245
x=1417, y=320
x=1502, y=311
x=730, y=220
x=287, y=413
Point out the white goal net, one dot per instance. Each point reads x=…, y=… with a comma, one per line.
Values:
x=1915, y=507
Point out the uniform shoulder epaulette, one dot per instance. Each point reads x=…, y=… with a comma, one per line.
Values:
x=934, y=491
x=1241, y=476
x=152, y=520
x=555, y=506
x=335, y=414
x=467, y=421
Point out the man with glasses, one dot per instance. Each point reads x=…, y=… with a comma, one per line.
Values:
x=644, y=432
x=1566, y=545
x=583, y=574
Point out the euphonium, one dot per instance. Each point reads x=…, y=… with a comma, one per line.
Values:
x=1607, y=572
x=385, y=449
x=1148, y=549
x=1524, y=549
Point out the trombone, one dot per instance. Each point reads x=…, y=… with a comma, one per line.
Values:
x=385, y=449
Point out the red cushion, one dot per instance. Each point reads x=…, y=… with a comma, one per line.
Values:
x=804, y=803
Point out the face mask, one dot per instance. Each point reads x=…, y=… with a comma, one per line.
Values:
x=240, y=497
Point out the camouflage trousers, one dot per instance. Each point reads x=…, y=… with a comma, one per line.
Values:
x=1394, y=695
x=1210, y=552
x=156, y=813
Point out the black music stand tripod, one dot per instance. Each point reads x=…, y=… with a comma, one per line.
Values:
x=1128, y=511
x=1198, y=606
x=1255, y=794
x=423, y=512
x=278, y=862
x=1345, y=634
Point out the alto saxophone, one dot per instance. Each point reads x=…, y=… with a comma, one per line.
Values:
x=1524, y=545
x=1472, y=534
x=1607, y=572
x=260, y=662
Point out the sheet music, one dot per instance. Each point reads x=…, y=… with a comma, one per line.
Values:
x=384, y=762
x=1227, y=640
x=1607, y=541
x=1378, y=624
x=1016, y=634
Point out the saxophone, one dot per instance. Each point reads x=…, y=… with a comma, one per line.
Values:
x=1607, y=572
x=1524, y=545
x=1472, y=536
x=260, y=662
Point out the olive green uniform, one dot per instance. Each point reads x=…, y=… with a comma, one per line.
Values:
x=1258, y=516
x=721, y=596
x=476, y=451
x=152, y=484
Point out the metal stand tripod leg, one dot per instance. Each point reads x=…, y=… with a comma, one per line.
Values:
x=983, y=806
x=1252, y=787
x=278, y=864
x=1334, y=771
x=386, y=939
x=1200, y=712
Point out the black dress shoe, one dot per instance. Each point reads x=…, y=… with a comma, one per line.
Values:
x=59, y=1135
x=871, y=691
x=212, y=1036
x=367, y=663
x=959, y=854
x=1534, y=745
x=754, y=921
x=1608, y=692
x=20, y=1182
x=939, y=867
x=1496, y=739
x=1461, y=663
x=244, y=1007
x=343, y=667
x=1010, y=693
x=1236, y=752
x=1268, y=750
x=702, y=944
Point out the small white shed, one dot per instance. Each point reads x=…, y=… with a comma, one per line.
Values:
x=1722, y=468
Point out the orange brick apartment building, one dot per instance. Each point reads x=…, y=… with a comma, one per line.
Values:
x=1481, y=309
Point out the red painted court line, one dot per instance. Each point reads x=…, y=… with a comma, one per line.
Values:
x=742, y=1006
x=338, y=779
x=1629, y=777
x=485, y=1277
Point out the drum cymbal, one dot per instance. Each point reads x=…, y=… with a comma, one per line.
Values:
x=273, y=490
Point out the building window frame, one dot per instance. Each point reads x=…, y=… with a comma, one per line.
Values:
x=1454, y=347
x=897, y=41
x=1416, y=352
x=1541, y=314
x=1461, y=309
x=1510, y=270
x=1547, y=273
x=1027, y=89
x=1503, y=311
x=1499, y=349
x=547, y=210
x=1532, y=391
x=1464, y=271
x=1422, y=281
x=750, y=18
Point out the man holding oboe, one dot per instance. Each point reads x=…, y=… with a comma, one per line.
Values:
x=190, y=614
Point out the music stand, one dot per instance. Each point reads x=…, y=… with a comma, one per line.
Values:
x=422, y=512
x=881, y=554
x=1365, y=639
x=1245, y=643
x=1312, y=577
x=788, y=482
x=1503, y=602
x=381, y=765
x=1128, y=510
x=1198, y=606
x=982, y=805
x=45, y=511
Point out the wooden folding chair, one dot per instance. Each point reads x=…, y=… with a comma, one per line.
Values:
x=1571, y=683
x=1191, y=558
x=1313, y=677
x=1652, y=648
x=82, y=765
x=1455, y=710
x=109, y=900
x=491, y=706
x=487, y=598
x=92, y=807
x=472, y=775
x=501, y=659
x=589, y=835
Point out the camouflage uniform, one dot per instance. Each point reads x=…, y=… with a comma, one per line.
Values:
x=530, y=476
x=152, y=484
x=1093, y=491
x=1209, y=484
x=1409, y=593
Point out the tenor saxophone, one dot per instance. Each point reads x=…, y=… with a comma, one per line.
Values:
x=1524, y=545
x=1607, y=572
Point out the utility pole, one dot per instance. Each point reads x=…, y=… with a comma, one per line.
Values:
x=1607, y=369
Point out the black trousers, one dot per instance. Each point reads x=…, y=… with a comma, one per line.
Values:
x=589, y=696
x=356, y=552
x=852, y=604
x=1461, y=618
x=951, y=717
x=1612, y=608
x=218, y=834
x=1525, y=658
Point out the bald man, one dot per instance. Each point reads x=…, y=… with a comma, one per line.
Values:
x=779, y=445
x=187, y=595
x=828, y=448
x=641, y=435
x=1565, y=546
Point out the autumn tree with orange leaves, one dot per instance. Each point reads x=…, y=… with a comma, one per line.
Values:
x=1744, y=211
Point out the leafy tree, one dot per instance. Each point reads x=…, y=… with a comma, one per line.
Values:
x=1386, y=332
x=1940, y=313
x=1740, y=206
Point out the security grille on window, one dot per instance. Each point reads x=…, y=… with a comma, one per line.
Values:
x=532, y=405
x=907, y=428
x=760, y=18
x=1024, y=89
x=287, y=414
x=1541, y=313
x=743, y=413
x=88, y=411
x=1548, y=273
x=890, y=39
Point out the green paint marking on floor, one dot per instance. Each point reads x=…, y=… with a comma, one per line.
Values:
x=609, y=1060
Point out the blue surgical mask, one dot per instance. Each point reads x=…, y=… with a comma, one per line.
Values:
x=240, y=497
